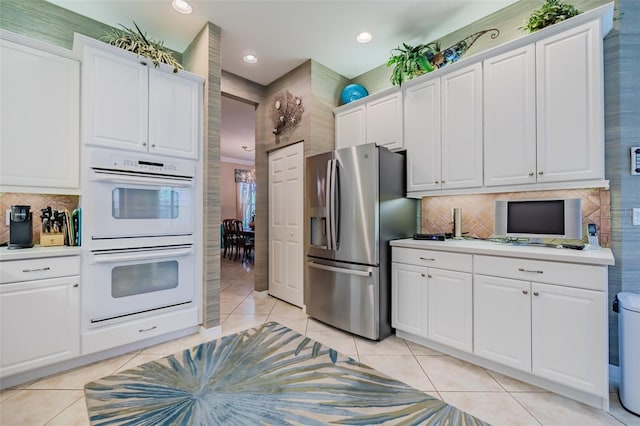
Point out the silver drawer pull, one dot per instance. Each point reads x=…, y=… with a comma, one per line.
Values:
x=143, y=330
x=428, y=258
x=530, y=270
x=46, y=268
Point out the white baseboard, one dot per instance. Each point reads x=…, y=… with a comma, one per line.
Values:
x=211, y=333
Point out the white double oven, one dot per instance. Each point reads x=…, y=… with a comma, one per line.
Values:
x=138, y=235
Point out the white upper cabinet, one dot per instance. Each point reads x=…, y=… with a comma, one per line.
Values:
x=39, y=112
x=384, y=121
x=115, y=101
x=128, y=104
x=510, y=118
x=422, y=135
x=462, y=128
x=350, y=127
x=443, y=131
x=377, y=120
x=570, y=105
x=174, y=114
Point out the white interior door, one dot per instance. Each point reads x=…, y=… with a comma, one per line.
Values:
x=286, y=202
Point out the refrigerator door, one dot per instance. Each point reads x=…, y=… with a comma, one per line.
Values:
x=318, y=171
x=344, y=295
x=354, y=215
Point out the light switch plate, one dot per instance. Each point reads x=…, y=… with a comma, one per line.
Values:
x=635, y=214
x=7, y=217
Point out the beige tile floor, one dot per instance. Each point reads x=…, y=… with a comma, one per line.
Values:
x=497, y=399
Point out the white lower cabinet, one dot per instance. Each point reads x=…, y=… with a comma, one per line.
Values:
x=39, y=318
x=543, y=321
x=502, y=320
x=432, y=302
x=568, y=336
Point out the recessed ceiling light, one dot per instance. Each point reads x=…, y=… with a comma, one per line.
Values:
x=364, y=37
x=181, y=6
x=250, y=58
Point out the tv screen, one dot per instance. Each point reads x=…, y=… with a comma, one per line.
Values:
x=536, y=217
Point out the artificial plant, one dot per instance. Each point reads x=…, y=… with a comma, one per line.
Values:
x=138, y=43
x=551, y=12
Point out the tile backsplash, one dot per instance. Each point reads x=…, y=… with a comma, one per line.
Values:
x=37, y=202
x=478, y=211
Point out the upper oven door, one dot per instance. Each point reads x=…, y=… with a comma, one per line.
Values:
x=130, y=204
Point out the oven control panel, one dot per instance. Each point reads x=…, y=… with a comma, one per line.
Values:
x=108, y=159
x=144, y=166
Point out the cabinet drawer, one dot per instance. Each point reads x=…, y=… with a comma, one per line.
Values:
x=572, y=275
x=433, y=259
x=38, y=269
x=133, y=331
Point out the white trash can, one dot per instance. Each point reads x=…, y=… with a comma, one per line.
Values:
x=629, y=344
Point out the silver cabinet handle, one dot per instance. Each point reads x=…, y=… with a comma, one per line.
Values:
x=46, y=268
x=531, y=271
x=525, y=292
x=428, y=258
x=535, y=293
x=143, y=330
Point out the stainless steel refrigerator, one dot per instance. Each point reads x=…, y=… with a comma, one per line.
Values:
x=356, y=205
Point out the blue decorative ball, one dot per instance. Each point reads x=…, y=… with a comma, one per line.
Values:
x=353, y=92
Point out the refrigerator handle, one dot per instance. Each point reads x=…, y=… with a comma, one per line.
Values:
x=334, y=217
x=327, y=207
x=366, y=273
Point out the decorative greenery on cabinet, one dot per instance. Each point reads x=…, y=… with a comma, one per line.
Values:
x=551, y=12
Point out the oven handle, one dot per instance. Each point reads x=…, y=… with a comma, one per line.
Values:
x=123, y=177
x=142, y=255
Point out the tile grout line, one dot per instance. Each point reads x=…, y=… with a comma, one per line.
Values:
x=65, y=409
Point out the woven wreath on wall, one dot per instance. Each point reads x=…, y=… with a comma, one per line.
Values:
x=287, y=112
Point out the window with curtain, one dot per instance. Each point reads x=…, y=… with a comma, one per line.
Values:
x=245, y=196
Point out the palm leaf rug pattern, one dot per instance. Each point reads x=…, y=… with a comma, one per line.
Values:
x=264, y=375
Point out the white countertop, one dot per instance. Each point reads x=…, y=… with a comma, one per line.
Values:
x=38, y=252
x=602, y=256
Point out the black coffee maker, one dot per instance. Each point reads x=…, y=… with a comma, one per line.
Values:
x=20, y=227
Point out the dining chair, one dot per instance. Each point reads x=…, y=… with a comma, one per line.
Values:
x=243, y=240
x=229, y=237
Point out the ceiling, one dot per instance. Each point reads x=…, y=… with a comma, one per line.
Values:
x=284, y=34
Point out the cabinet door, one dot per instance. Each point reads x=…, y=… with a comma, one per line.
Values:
x=174, y=114
x=39, y=323
x=409, y=298
x=502, y=321
x=114, y=101
x=462, y=128
x=570, y=105
x=569, y=338
x=40, y=112
x=350, y=127
x=422, y=135
x=384, y=121
x=449, y=308
x=510, y=118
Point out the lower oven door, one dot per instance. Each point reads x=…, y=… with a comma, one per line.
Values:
x=132, y=281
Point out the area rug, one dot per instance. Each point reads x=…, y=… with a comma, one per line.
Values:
x=264, y=375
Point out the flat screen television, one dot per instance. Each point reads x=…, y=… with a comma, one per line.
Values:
x=538, y=219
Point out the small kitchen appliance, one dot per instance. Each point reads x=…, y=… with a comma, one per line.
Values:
x=20, y=227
